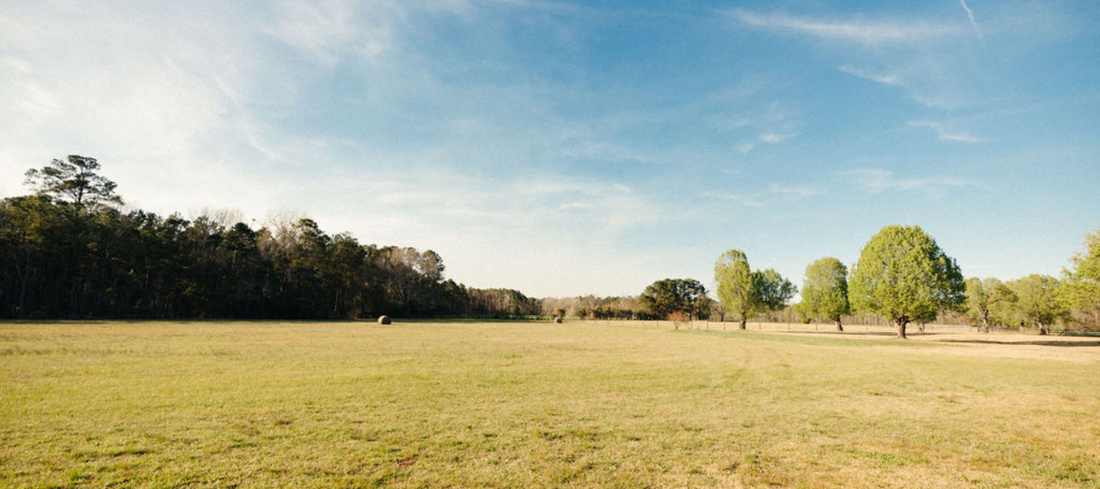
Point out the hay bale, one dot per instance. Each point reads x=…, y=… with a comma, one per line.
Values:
x=384, y=320
x=557, y=320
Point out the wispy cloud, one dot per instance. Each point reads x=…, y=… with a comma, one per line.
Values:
x=758, y=199
x=936, y=101
x=767, y=138
x=885, y=79
x=742, y=199
x=774, y=138
x=924, y=56
x=879, y=180
x=944, y=134
x=605, y=150
x=799, y=191
x=970, y=15
x=16, y=64
x=325, y=31
x=857, y=31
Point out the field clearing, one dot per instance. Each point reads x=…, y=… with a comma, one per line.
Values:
x=509, y=404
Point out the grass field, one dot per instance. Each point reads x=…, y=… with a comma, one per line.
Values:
x=355, y=404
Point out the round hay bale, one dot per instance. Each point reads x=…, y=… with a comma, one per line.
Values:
x=557, y=320
x=384, y=320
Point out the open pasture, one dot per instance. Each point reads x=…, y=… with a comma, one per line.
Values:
x=507, y=404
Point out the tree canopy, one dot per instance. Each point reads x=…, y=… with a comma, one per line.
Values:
x=102, y=262
x=69, y=251
x=825, y=290
x=664, y=298
x=1081, y=288
x=76, y=180
x=904, y=275
x=1037, y=300
x=745, y=292
x=984, y=298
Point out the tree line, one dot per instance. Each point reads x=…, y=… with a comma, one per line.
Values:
x=68, y=251
x=903, y=276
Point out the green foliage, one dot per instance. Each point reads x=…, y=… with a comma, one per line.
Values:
x=76, y=180
x=745, y=292
x=1037, y=301
x=988, y=301
x=803, y=312
x=64, y=253
x=1081, y=289
x=590, y=306
x=501, y=303
x=825, y=290
x=736, y=289
x=904, y=275
x=665, y=297
x=772, y=290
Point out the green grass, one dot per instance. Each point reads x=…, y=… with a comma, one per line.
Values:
x=299, y=404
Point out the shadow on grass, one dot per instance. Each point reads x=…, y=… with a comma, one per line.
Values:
x=1036, y=343
x=841, y=334
x=825, y=338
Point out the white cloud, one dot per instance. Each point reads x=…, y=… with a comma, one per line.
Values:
x=857, y=31
x=885, y=79
x=799, y=191
x=324, y=31
x=936, y=101
x=926, y=57
x=767, y=138
x=605, y=150
x=773, y=138
x=970, y=15
x=576, y=205
x=172, y=106
x=15, y=64
x=944, y=134
x=535, y=233
x=879, y=180
x=744, y=200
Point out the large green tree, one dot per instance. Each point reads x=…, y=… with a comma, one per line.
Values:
x=745, y=292
x=904, y=275
x=672, y=295
x=1081, y=288
x=1037, y=301
x=825, y=290
x=736, y=289
x=772, y=290
x=983, y=297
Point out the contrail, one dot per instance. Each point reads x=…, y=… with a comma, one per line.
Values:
x=970, y=13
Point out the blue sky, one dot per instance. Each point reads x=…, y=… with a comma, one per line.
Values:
x=588, y=147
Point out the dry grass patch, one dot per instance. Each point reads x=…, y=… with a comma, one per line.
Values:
x=278, y=404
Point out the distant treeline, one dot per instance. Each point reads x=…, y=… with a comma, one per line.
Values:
x=68, y=252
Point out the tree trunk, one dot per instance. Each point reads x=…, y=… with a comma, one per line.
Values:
x=1042, y=329
x=23, y=278
x=838, y=326
x=901, y=329
x=985, y=323
x=744, y=321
